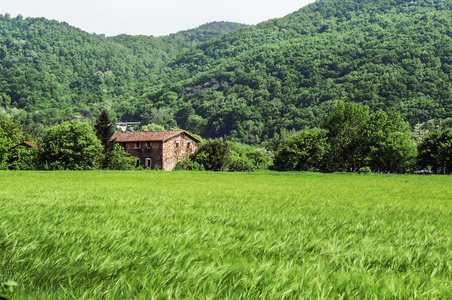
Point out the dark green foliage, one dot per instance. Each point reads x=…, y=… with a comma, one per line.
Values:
x=245, y=158
x=104, y=131
x=119, y=159
x=421, y=130
x=51, y=70
x=303, y=151
x=349, y=139
x=216, y=155
x=346, y=127
x=188, y=164
x=12, y=129
x=162, y=117
x=389, y=143
x=4, y=146
x=34, y=131
x=71, y=146
x=23, y=158
x=435, y=152
x=289, y=72
x=213, y=154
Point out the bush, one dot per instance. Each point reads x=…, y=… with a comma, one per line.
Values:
x=246, y=158
x=364, y=170
x=71, y=146
x=241, y=164
x=303, y=151
x=213, y=155
x=188, y=165
x=23, y=158
x=119, y=159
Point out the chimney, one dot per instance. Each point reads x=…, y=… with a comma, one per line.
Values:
x=146, y=130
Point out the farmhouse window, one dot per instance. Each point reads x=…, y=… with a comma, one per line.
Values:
x=177, y=144
x=148, y=145
x=138, y=163
x=148, y=162
x=188, y=145
x=137, y=145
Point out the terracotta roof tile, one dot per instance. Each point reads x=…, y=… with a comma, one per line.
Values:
x=31, y=144
x=142, y=136
x=25, y=143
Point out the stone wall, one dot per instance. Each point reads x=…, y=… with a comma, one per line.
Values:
x=144, y=150
x=176, y=149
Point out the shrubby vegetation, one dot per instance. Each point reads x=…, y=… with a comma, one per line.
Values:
x=4, y=146
x=24, y=158
x=71, y=146
x=66, y=146
x=246, y=158
x=302, y=151
x=350, y=139
x=435, y=152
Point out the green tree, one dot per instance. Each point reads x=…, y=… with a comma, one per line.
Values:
x=395, y=154
x=120, y=159
x=246, y=158
x=72, y=146
x=435, y=152
x=213, y=154
x=391, y=148
x=153, y=127
x=4, y=146
x=346, y=126
x=12, y=129
x=303, y=151
x=104, y=131
x=23, y=158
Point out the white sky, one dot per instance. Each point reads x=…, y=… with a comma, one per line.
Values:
x=150, y=17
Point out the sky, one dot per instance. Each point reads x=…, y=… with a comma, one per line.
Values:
x=150, y=17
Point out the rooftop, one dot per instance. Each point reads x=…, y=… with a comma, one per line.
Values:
x=142, y=136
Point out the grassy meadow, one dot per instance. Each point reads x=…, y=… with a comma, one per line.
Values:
x=200, y=235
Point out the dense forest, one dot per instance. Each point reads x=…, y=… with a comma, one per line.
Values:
x=50, y=70
x=228, y=79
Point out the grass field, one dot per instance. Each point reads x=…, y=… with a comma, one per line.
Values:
x=190, y=235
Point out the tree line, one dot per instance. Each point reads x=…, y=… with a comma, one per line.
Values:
x=349, y=139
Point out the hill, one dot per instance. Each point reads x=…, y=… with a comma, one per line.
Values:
x=392, y=55
x=50, y=70
x=288, y=73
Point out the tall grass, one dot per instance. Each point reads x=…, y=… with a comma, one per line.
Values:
x=199, y=235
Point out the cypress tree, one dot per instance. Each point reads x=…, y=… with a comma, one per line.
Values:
x=104, y=132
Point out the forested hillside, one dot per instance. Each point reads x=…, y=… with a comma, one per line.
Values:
x=288, y=73
x=51, y=70
x=391, y=55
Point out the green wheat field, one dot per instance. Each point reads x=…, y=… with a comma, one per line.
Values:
x=202, y=235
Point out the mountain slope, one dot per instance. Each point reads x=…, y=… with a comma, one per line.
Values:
x=391, y=55
x=50, y=70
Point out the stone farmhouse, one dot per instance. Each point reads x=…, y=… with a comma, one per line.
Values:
x=163, y=148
